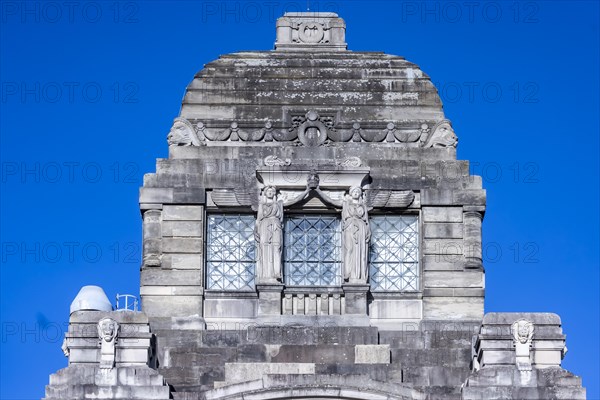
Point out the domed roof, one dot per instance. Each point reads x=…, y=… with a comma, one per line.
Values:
x=310, y=70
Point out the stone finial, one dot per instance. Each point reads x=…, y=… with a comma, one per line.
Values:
x=108, y=330
x=311, y=31
x=522, y=332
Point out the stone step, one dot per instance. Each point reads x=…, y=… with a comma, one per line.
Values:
x=195, y=395
x=92, y=375
x=180, y=357
x=435, y=375
x=321, y=353
x=377, y=372
x=523, y=393
x=91, y=391
x=194, y=375
x=444, y=357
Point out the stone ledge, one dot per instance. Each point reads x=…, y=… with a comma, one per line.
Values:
x=507, y=318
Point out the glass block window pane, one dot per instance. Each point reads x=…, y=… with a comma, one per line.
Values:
x=311, y=251
x=394, y=253
x=230, y=252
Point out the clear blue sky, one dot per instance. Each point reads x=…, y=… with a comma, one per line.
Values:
x=89, y=92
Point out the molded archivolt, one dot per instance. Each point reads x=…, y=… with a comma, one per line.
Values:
x=300, y=387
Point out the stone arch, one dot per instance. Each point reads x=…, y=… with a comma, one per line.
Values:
x=272, y=389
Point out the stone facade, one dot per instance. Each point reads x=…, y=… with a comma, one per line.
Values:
x=312, y=235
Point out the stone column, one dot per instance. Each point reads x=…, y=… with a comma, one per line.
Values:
x=472, y=217
x=152, y=234
x=356, y=298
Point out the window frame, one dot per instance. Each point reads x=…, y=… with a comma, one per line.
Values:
x=209, y=211
x=419, y=286
x=304, y=213
x=225, y=212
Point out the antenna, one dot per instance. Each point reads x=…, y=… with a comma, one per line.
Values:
x=307, y=5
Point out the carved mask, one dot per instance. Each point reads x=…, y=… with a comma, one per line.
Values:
x=107, y=329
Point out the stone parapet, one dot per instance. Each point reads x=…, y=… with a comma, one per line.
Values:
x=112, y=363
x=518, y=356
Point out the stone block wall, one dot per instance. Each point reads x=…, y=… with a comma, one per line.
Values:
x=450, y=208
x=171, y=288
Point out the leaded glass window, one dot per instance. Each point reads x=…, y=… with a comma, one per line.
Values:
x=312, y=250
x=230, y=252
x=394, y=253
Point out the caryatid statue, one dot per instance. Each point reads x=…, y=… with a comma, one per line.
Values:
x=356, y=234
x=268, y=233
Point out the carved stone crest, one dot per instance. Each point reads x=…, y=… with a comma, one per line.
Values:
x=310, y=32
x=312, y=132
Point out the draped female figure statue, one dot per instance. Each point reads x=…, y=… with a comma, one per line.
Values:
x=268, y=233
x=356, y=234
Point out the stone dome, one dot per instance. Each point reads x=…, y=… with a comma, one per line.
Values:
x=358, y=96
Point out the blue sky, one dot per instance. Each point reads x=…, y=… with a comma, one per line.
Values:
x=89, y=92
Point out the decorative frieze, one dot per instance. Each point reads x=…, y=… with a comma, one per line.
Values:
x=314, y=128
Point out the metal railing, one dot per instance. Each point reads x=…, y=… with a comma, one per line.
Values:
x=127, y=302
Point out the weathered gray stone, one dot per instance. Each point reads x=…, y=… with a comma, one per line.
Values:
x=453, y=308
x=372, y=354
x=442, y=214
x=244, y=372
x=442, y=231
x=396, y=309
x=186, y=213
x=160, y=277
x=181, y=261
x=182, y=228
x=465, y=279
